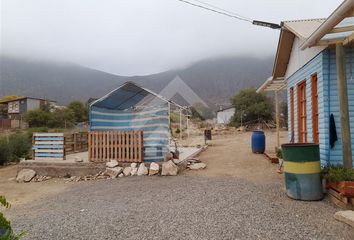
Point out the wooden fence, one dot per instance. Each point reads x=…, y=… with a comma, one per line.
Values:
x=76, y=142
x=117, y=145
x=48, y=146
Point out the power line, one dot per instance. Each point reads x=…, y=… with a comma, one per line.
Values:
x=225, y=13
x=224, y=10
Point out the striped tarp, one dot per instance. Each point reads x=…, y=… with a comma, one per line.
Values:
x=152, y=120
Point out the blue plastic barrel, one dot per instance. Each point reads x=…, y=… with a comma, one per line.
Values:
x=258, y=142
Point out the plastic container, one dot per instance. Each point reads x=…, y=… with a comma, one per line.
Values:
x=258, y=142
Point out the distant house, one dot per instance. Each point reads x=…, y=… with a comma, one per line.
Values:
x=224, y=116
x=19, y=106
x=314, y=62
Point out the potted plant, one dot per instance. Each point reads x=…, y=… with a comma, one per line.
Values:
x=340, y=179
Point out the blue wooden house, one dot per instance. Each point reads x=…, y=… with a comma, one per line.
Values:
x=315, y=64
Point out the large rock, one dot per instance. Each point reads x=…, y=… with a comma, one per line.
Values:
x=112, y=164
x=127, y=171
x=133, y=165
x=113, y=172
x=142, y=170
x=154, y=169
x=345, y=216
x=169, y=169
x=25, y=175
x=134, y=171
x=197, y=166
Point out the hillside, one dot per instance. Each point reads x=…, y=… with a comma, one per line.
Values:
x=214, y=80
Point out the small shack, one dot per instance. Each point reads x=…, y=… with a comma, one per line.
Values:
x=314, y=63
x=224, y=115
x=131, y=108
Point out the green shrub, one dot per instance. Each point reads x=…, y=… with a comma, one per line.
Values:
x=338, y=174
x=5, y=153
x=14, y=147
x=6, y=232
x=20, y=146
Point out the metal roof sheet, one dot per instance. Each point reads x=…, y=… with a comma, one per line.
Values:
x=303, y=28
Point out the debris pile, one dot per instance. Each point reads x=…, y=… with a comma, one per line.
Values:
x=113, y=170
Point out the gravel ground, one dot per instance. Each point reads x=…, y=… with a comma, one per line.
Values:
x=182, y=207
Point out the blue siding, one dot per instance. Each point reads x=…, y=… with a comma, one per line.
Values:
x=324, y=64
x=154, y=121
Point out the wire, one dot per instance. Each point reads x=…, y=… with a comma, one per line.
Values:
x=225, y=12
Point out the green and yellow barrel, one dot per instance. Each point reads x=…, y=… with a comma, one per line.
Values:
x=302, y=170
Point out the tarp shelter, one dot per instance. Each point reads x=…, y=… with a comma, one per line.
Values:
x=134, y=108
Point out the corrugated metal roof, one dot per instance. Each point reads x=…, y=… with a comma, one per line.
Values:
x=303, y=28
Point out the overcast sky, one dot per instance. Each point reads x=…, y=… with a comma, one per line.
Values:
x=135, y=37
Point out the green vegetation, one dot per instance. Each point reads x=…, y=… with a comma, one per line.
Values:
x=18, y=145
x=279, y=153
x=80, y=111
x=338, y=174
x=6, y=232
x=251, y=106
x=76, y=112
x=14, y=147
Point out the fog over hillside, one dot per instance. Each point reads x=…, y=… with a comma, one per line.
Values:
x=214, y=80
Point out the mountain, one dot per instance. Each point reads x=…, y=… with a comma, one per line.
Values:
x=214, y=80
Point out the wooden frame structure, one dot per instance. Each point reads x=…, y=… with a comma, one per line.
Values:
x=123, y=146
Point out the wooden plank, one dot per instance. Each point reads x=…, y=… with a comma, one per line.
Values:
x=49, y=150
x=48, y=134
x=344, y=107
x=48, y=142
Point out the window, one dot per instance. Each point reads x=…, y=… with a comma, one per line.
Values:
x=301, y=112
x=314, y=98
x=292, y=115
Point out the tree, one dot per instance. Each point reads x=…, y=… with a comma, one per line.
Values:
x=250, y=106
x=37, y=118
x=62, y=118
x=80, y=111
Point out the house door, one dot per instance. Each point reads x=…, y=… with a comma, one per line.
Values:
x=302, y=117
x=314, y=98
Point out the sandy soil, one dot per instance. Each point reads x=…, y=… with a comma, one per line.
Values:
x=231, y=155
x=20, y=193
x=227, y=155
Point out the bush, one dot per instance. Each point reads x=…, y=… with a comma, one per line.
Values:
x=14, y=147
x=5, y=153
x=60, y=118
x=338, y=174
x=6, y=232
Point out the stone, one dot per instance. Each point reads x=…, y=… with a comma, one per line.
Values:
x=169, y=156
x=121, y=175
x=345, y=216
x=154, y=169
x=113, y=172
x=197, y=166
x=134, y=171
x=78, y=159
x=169, y=169
x=142, y=170
x=133, y=165
x=25, y=175
x=127, y=171
x=112, y=164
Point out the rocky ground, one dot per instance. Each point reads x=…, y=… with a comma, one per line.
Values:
x=238, y=196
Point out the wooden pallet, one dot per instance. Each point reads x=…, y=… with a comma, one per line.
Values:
x=339, y=200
